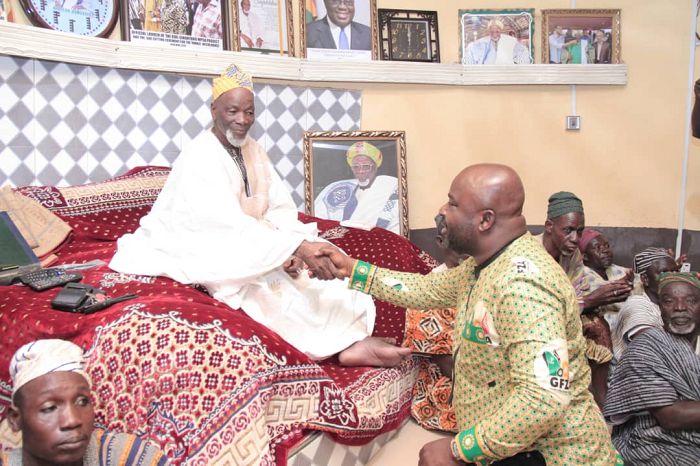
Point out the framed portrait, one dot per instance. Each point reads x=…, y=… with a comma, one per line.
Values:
x=357, y=178
x=339, y=29
x=496, y=37
x=581, y=36
x=192, y=24
x=406, y=35
x=263, y=26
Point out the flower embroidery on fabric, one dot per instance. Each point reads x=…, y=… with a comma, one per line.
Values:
x=335, y=406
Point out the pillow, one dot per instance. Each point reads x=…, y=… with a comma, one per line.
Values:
x=104, y=210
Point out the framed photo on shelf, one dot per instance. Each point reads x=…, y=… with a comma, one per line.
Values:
x=357, y=178
x=178, y=23
x=263, y=26
x=496, y=37
x=407, y=35
x=339, y=29
x=581, y=36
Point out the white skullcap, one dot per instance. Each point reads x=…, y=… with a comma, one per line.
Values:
x=42, y=357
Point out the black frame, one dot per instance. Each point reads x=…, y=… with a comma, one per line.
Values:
x=388, y=22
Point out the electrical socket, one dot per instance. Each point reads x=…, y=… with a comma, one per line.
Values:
x=573, y=123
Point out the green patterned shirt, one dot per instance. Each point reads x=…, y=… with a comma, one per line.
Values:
x=521, y=376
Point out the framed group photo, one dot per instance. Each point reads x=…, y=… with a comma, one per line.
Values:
x=192, y=24
x=339, y=29
x=581, y=36
x=406, y=35
x=357, y=178
x=496, y=37
x=263, y=26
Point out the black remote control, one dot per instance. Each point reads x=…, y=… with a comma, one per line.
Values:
x=43, y=279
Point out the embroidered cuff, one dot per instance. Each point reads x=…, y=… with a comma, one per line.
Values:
x=362, y=276
x=471, y=447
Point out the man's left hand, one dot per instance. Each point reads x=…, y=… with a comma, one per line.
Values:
x=438, y=453
x=293, y=266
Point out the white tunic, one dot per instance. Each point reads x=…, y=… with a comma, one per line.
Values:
x=198, y=232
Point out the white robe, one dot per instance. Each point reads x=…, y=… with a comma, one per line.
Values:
x=198, y=232
x=376, y=206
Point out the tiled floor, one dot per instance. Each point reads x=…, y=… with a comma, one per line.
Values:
x=403, y=449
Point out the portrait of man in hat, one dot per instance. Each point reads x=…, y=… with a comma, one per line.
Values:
x=359, y=187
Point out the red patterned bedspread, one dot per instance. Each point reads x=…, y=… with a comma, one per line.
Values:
x=204, y=381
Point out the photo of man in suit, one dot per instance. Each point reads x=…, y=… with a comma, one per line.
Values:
x=601, y=48
x=337, y=30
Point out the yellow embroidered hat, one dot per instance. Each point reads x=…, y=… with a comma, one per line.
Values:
x=233, y=77
x=364, y=148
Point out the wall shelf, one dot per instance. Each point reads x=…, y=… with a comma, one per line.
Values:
x=33, y=42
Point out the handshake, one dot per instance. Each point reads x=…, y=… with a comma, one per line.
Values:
x=322, y=260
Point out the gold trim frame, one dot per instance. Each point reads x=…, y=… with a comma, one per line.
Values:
x=325, y=162
x=576, y=18
x=372, y=4
x=235, y=29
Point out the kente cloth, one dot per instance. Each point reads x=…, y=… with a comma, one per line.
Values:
x=203, y=229
x=107, y=449
x=429, y=331
x=658, y=369
x=597, y=349
x=509, y=51
x=637, y=313
x=377, y=205
x=521, y=376
x=207, y=21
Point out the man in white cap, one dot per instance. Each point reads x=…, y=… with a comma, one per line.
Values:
x=226, y=221
x=52, y=407
x=368, y=199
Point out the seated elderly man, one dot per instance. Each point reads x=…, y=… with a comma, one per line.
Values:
x=654, y=397
x=52, y=407
x=599, y=270
x=562, y=233
x=225, y=220
x=641, y=312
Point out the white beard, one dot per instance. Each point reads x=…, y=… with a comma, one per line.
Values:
x=233, y=140
x=364, y=184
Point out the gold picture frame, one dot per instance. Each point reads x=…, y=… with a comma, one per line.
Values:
x=278, y=40
x=317, y=41
x=330, y=183
x=599, y=30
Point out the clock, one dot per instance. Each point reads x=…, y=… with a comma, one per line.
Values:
x=95, y=18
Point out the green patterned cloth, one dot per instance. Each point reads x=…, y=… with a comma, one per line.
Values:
x=521, y=376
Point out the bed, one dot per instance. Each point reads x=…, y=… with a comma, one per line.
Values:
x=202, y=380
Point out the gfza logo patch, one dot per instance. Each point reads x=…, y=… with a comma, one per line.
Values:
x=551, y=369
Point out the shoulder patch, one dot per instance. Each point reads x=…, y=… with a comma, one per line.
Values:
x=524, y=265
x=551, y=369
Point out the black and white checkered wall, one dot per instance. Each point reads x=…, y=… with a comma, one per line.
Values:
x=64, y=124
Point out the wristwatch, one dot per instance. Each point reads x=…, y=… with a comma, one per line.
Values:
x=95, y=18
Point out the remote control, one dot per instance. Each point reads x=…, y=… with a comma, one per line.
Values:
x=44, y=279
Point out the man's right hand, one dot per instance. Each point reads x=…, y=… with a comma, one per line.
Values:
x=320, y=266
x=611, y=292
x=343, y=264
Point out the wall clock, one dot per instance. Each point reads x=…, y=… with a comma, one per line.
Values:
x=94, y=18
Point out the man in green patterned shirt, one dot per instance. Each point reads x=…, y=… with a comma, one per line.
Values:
x=521, y=377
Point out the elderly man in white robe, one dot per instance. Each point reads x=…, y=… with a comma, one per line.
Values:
x=496, y=48
x=224, y=220
x=368, y=199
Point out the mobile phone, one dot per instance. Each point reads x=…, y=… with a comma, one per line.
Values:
x=685, y=267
